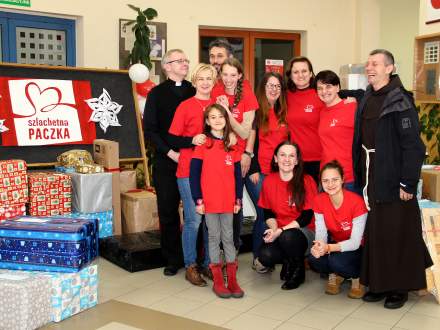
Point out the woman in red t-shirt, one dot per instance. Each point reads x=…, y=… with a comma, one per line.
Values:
x=336, y=125
x=303, y=112
x=286, y=199
x=340, y=214
x=271, y=131
x=241, y=104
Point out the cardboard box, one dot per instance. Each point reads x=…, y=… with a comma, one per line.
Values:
x=106, y=153
x=127, y=180
x=431, y=234
x=431, y=184
x=139, y=212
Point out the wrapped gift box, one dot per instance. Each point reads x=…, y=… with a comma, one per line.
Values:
x=25, y=300
x=127, y=180
x=64, y=169
x=431, y=184
x=11, y=211
x=139, y=211
x=105, y=221
x=49, y=193
x=48, y=244
x=431, y=233
x=91, y=192
x=67, y=293
x=13, y=182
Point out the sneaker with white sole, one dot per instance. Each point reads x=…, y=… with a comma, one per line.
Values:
x=259, y=267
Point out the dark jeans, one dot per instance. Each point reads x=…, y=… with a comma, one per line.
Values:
x=291, y=244
x=168, y=199
x=312, y=169
x=346, y=264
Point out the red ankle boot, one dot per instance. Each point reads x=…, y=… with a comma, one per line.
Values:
x=219, y=285
x=234, y=288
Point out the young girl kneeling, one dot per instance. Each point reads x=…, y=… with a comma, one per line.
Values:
x=217, y=189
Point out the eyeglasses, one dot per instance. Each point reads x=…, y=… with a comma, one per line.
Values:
x=180, y=61
x=273, y=87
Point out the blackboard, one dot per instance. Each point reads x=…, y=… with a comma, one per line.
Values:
x=119, y=86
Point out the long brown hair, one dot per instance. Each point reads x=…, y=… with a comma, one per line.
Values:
x=296, y=184
x=207, y=129
x=280, y=106
x=290, y=84
x=239, y=89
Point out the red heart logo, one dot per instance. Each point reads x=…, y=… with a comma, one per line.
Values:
x=42, y=100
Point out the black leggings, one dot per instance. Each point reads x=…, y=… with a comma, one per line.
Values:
x=291, y=244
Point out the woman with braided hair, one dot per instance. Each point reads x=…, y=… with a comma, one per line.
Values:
x=241, y=105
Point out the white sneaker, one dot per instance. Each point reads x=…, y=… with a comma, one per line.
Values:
x=259, y=268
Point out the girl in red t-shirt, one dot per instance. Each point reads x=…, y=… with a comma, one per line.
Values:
x=342, y=215
x=286, y=199
x=216, y=187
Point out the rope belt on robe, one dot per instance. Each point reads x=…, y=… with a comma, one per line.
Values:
x=367, y=165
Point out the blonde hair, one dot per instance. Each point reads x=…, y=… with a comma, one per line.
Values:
x=167, y=55
x=200, y=68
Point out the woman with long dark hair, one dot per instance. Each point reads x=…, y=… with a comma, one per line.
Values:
x=286, y=199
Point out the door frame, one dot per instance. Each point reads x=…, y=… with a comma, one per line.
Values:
x=249, y=37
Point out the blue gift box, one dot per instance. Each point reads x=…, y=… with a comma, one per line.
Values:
x=48, y=244
x=105, y=221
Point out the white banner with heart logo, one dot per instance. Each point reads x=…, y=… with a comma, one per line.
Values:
x=44, y=111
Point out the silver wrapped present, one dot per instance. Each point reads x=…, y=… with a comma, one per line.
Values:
x=91, y=192
x=25, y=300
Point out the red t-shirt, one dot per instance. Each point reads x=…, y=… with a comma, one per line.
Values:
x=339, y=222
x=217, y=178
x=275, y=195
x=188, y=121
x=269, y=140
x=336, y=130
x=303, y=112
x=247, y=103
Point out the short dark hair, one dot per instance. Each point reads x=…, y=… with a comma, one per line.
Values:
x=328, y=77
x=389, y=58
x=221, y=43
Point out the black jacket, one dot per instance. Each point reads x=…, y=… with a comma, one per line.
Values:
x=399, y=150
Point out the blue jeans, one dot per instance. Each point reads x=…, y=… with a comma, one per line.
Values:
x=191, y=225
x=346, y=264
x=259, y=224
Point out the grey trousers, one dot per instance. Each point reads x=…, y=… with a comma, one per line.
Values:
x=220, y=228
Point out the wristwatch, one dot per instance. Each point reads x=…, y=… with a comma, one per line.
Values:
x=250, y=154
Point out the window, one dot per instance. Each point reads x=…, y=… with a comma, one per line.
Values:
x=30, y=39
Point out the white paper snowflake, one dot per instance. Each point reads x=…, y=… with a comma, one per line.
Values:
x=3, y=128
x=105, y=111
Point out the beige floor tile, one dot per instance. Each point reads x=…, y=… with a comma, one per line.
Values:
x=169, y=285
x=117, y=326
x=203, y=294
x=250, y=321
x=376, y=312
x=274, y=310
x=296, y=297
x=213, y=314
x=293, y=326
x=109, y=290
x=242, y=305
x=419, y=322
x=338, y=304
x=427, y=306
x=142, y=297
x=317, y=319
x=356, y=324
x=261, y=288
x=176, y=306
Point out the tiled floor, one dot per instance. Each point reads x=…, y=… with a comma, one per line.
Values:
x=265, y=305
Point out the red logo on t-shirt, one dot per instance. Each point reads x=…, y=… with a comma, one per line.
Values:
x=333, y=122
x=345, y=225
x=308, y=108
x=235, y=113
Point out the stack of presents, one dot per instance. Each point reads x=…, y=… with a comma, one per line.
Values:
x=50, y=226
x=430, y=210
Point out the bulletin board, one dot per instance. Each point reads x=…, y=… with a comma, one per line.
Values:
x=128, y=133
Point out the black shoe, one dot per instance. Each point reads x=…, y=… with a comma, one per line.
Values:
x=373, y=297
x=395, y=300
x=283, y=273
x=170, y=270
x=296, y=275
